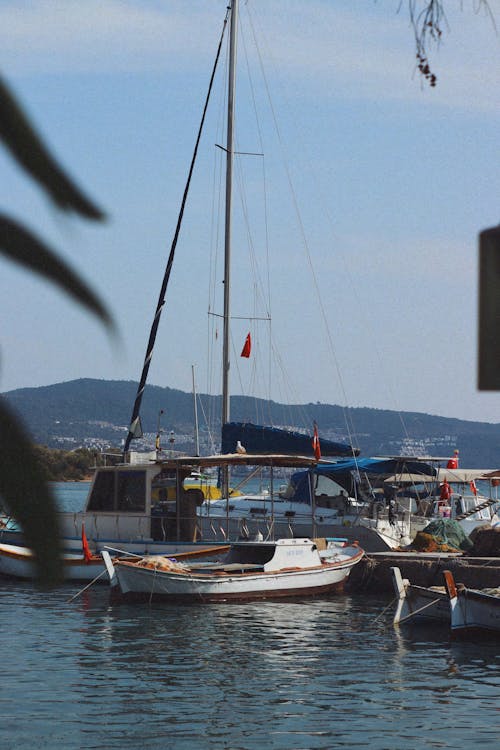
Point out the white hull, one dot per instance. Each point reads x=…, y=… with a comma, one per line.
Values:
x=373, y=535
x=18, y=562
x=132, y=533
x=222, y=583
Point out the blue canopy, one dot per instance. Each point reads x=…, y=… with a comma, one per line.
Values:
x=345, y=473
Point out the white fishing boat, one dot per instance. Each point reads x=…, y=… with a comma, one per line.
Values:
x=472, y=611
x=152, y=508
x=419, y=604
x=251, y=570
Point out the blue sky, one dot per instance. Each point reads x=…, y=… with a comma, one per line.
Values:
x=373, y=279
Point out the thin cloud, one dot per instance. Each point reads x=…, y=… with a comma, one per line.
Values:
x=333, y=50
x=66, y=36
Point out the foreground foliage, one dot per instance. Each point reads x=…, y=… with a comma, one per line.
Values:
x=22, y=482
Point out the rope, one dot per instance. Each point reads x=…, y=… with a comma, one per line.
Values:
x=87, y=586
x=385, y=609
x=420, y=609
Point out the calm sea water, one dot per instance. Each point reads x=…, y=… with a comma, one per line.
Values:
x=322, y=673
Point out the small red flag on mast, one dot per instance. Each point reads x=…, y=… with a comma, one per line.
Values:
x=247, y=347
x=315, y=443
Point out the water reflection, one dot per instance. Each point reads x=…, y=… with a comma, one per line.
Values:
x=317, y=673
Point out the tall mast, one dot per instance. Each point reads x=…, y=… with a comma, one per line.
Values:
x=227, y=236
x=195, y=406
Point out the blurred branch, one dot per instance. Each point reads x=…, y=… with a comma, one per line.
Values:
x=28, y=497
x=22, y=247
x=22, y=480
x=29, y=151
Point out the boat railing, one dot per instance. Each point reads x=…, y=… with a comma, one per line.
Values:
x=135, y=526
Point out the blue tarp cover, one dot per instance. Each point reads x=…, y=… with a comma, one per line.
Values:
x=262, y=439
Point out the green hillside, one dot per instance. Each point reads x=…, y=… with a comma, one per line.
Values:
x=95, y=414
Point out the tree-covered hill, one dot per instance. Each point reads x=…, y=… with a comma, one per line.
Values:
x=95, y=413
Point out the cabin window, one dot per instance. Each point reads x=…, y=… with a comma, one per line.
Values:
x=103, y=492
x=131, y=494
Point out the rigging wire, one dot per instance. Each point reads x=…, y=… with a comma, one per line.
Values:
x=135, y=419
x=361, y=307
x=305, y=243
x=322, y=310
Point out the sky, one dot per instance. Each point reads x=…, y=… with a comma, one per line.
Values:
x=376, y=187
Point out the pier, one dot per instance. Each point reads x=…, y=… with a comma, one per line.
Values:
x=373, y=573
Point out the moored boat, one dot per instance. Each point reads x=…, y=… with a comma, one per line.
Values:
x=251, y=570
x=19, y=562
x=419, y=604
x=472, y=611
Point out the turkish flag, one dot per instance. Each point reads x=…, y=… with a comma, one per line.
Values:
x=315, y=443
x=247, y=347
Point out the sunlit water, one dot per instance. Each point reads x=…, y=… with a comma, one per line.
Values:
x=322, y=673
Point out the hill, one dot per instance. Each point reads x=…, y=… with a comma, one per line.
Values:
x=95, y=414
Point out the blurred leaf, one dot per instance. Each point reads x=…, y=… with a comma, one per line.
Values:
x=28, y=497
x=18, y=244
x=30, y=152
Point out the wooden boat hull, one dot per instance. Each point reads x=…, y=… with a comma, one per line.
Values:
x=190, y=585
x=418, y=604
x=473, y=612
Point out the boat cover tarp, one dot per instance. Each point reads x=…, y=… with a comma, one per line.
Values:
x=262, y=439
x=348, y=471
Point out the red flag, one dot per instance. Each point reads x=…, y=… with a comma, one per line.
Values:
x=85, y=546
x=473, y=487
x=247, y=347
x=315, y=443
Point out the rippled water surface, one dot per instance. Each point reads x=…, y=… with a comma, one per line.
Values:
x=311, y=674
x=323, y=673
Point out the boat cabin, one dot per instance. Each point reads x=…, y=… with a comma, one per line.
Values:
x=138, y=501
x=153, y=501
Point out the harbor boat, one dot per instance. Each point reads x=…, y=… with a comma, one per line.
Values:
x=419, y=604
x=18, y=562
x=150, y=508
x=153, y=507
x=472, y=611
x=147, y=508
x=84, y=566
x=466, y=504
x=338, y=495
x=251, y=570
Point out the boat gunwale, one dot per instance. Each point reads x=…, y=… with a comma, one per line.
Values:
x=219, y=575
